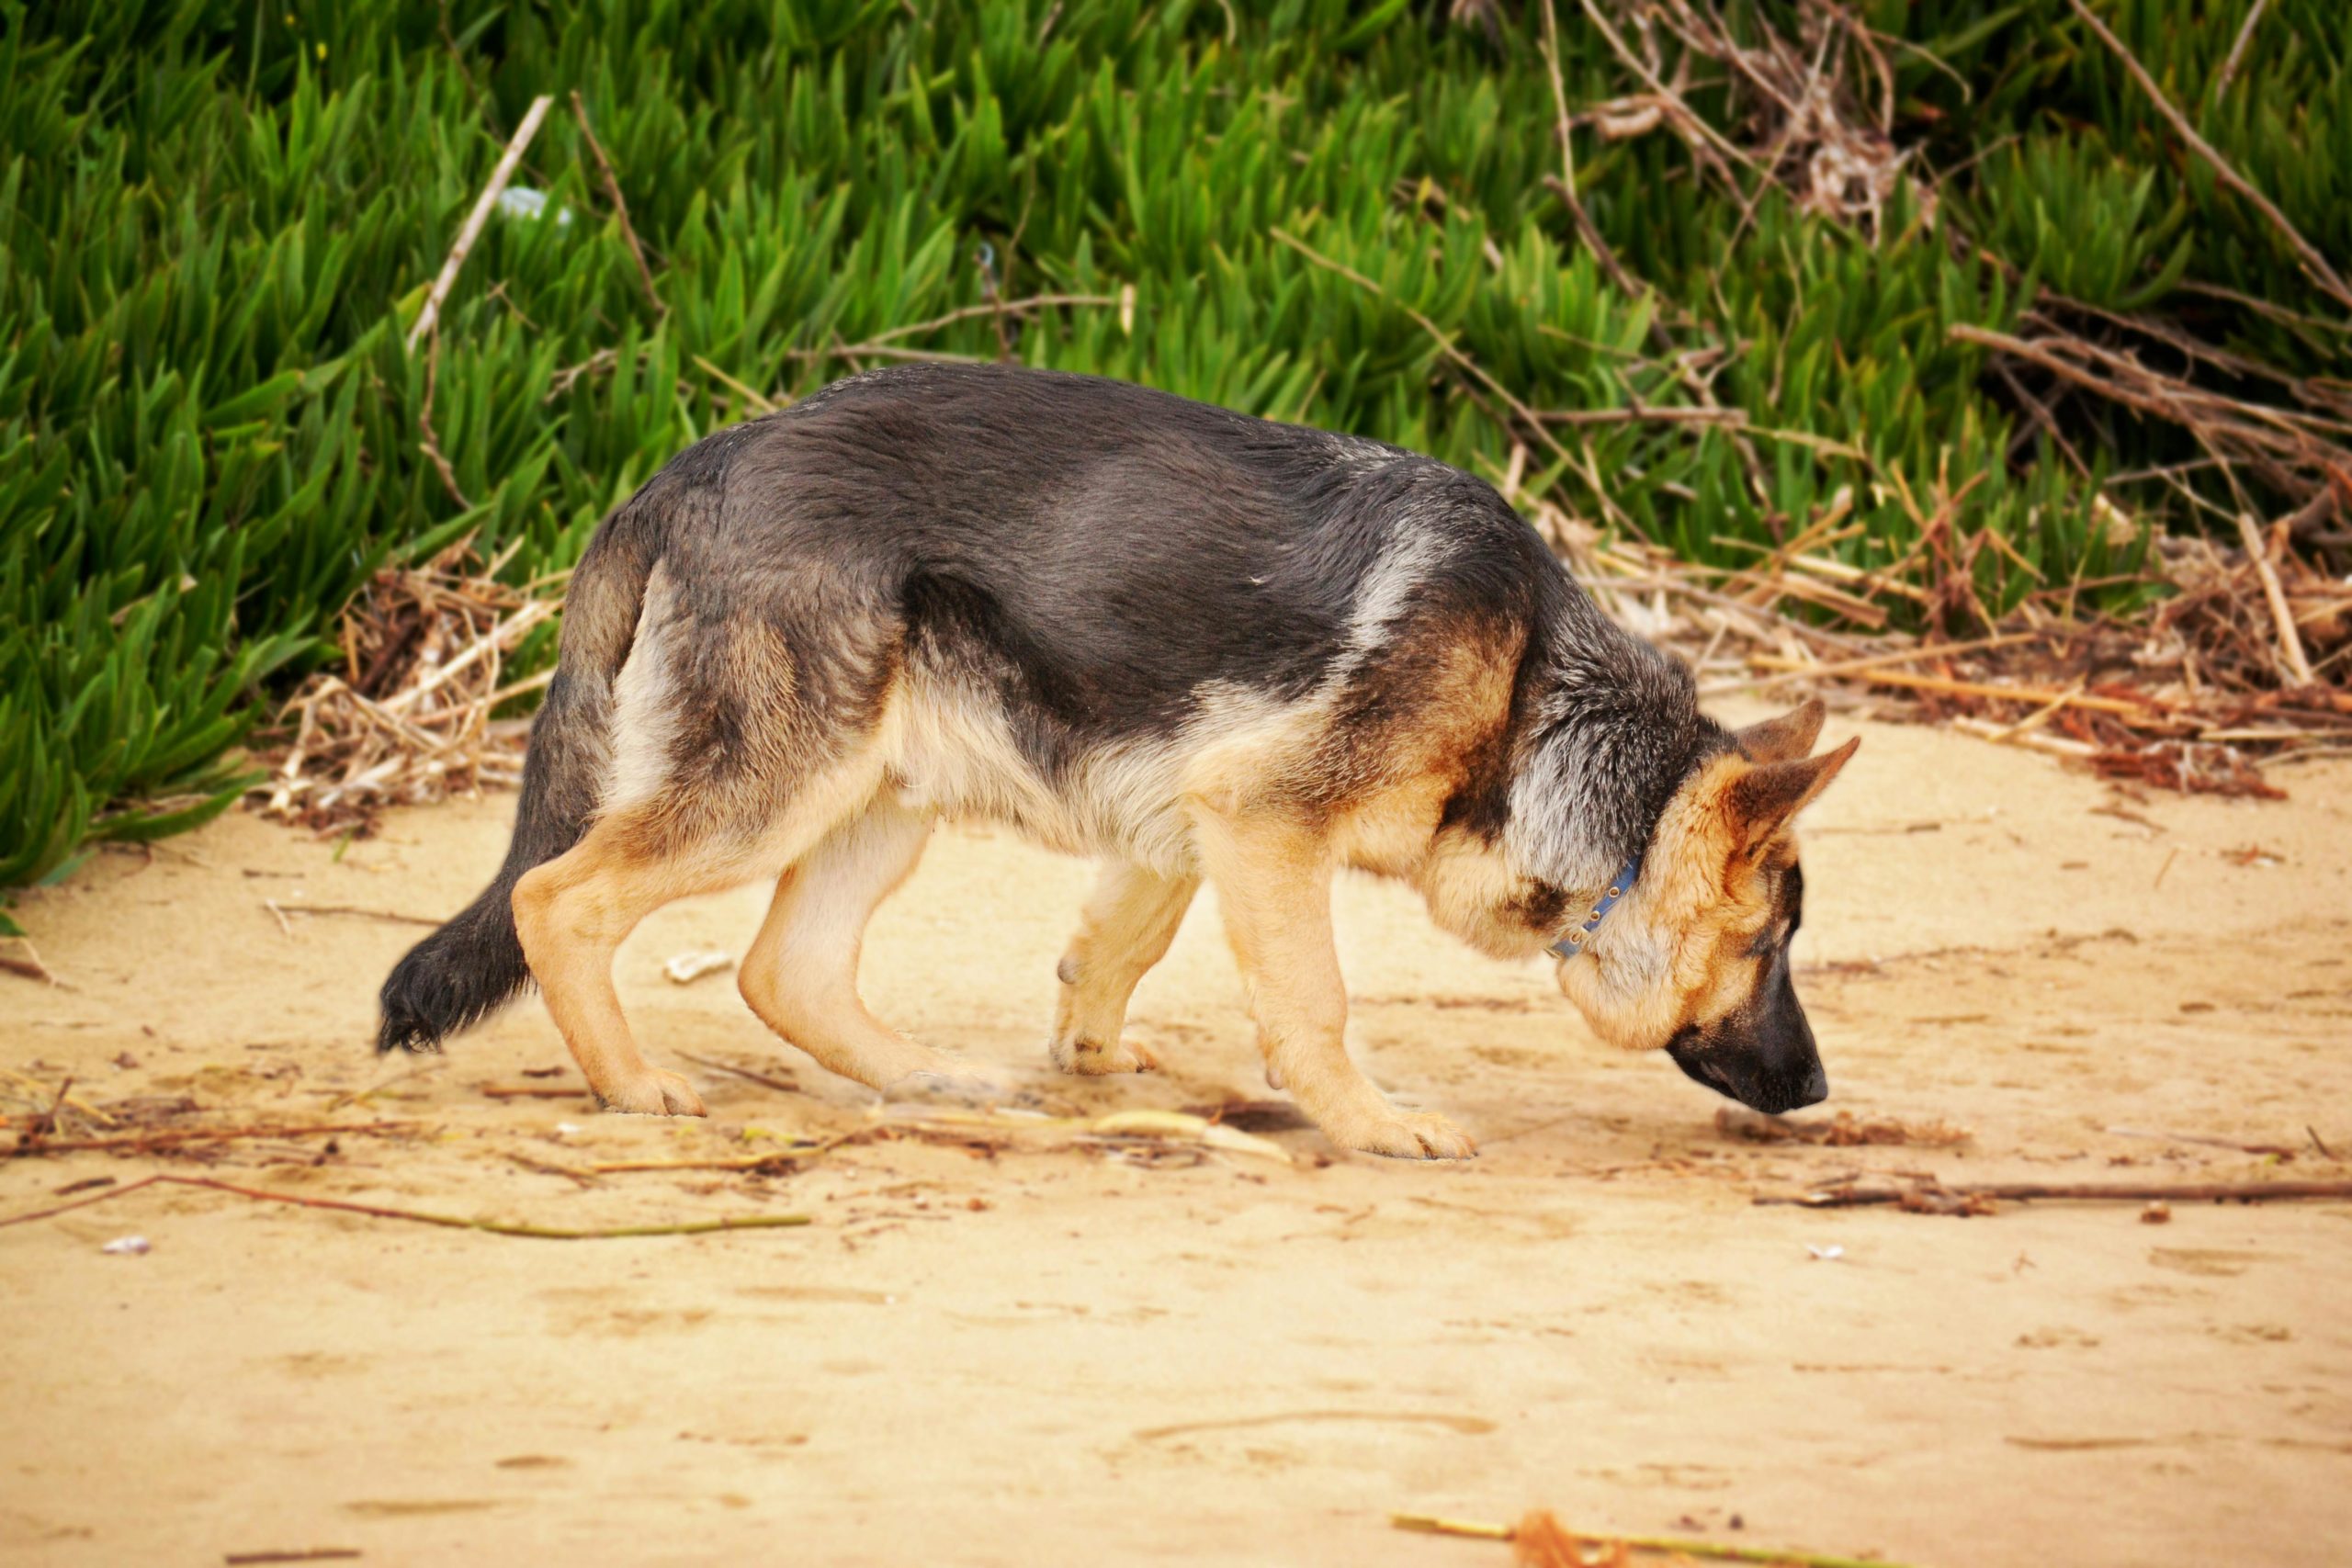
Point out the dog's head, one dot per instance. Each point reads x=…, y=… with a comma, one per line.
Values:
x=1695, y=960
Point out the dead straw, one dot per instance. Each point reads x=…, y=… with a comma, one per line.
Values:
x=406, y=719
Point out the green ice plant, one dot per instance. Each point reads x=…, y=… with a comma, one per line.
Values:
x=217, y=221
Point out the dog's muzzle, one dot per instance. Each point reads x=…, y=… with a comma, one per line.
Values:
x=1769, y=1090
x=1765, y=1058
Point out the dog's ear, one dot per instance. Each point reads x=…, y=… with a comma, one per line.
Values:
x=1761, y=800
x=1785, y=738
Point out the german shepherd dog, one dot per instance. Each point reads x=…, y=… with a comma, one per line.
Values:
x=1195, y=645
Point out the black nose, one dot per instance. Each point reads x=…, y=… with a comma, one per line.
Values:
x=1774, y=1096
x=1756, y=1085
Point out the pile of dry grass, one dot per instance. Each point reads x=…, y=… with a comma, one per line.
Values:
x=406, y=719
x=2241, y=664
x=1802, y=98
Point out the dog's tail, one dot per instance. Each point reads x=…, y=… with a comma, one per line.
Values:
x=474, y=965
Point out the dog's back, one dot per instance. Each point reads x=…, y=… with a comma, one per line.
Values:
x=1049, y=597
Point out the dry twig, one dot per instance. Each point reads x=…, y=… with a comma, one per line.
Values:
x=620, y=204
x=428, y=318
x=394, y=916
x=2229, y=71
x=784, y=1085
x=428, y=439
x=2296, y=667
x=1932, y=1197
x=1541, y=1541
x=158, y=1140
x=450, y=1222
x=1841, y=1130
x=2161, y=1136
x=2309, y=255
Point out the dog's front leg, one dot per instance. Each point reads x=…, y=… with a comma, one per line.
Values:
x=1129, y=921
x=1274, y=883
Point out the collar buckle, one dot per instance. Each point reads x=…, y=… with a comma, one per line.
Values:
x=1574, y=941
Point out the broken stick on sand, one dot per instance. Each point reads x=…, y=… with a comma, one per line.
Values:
x=1968, y=1198
x=1541, y=1541
x=451, y=1222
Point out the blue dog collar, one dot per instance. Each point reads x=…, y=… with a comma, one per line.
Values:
x=1621, y=883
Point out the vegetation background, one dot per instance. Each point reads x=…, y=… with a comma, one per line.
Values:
x=1777, y=280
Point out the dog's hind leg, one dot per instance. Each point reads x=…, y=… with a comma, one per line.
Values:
x=1130, y=918
x=1273, y=884
x=572, y=913
x=800, y=976
x=575, y=910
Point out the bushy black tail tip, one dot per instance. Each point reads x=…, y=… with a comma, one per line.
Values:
x=409, y=1034
x=444, y=984
x=454, y=979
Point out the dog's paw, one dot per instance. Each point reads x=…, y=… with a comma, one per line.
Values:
x=1089, y=1059
x=1409, y=1134
x=652, y=1093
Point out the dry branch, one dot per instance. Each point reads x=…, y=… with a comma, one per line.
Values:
x=161, y=1139
x=2127, y=708
x=2308, y=253
x=1566, y=186
x=1543, y=1542
x=620, y=204
x=450, y=1222
x=1798, y=670
x=1929, y=1197
x=430, y=317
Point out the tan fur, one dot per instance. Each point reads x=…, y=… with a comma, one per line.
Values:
x=1465, y=704
x=1273, y=882
x=801, y=975
x=1126, y=928
x=573, y=913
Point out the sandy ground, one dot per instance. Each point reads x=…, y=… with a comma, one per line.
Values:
x=1057, y=1355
